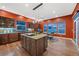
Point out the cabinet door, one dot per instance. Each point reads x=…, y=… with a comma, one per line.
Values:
x=40, y=47
x=3, y=22
x=13, y=37
x=10, y=22
x=3, y=38
x=33, y=47
x=31, y=25
x=28, y=44
x=45, y=42
x=23, y=41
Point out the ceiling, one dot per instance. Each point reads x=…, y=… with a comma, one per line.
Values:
x=46, y=11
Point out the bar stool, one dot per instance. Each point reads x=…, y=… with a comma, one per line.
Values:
x=50, y=37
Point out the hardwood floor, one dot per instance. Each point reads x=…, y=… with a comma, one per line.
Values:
x=56, y=47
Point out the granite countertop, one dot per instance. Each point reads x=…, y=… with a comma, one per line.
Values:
x=38, y=36
x=9, y=33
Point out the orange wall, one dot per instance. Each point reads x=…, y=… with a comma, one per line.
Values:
x=69, y=25
x=14, y=16
x=22, y=18
x=7, y=14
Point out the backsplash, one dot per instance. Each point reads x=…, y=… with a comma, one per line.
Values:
x=7, y=30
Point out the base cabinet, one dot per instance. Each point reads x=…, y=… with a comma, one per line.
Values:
x=33, y=50
x=23, y=42
x=8, y=38
x=3, y=39
x=12, y=37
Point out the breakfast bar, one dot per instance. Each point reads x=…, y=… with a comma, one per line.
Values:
x=35, y=44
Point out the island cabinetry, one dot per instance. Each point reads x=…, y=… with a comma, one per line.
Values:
x=34, y=45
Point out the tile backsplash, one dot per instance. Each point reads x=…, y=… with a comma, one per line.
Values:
x=7, y=30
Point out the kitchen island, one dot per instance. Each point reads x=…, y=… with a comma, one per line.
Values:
x=35, y=45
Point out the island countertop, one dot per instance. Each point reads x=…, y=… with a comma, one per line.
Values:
x=37, y=36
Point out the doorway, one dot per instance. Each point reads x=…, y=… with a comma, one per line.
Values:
x=76, y=30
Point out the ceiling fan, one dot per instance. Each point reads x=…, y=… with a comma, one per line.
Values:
x=37, y=6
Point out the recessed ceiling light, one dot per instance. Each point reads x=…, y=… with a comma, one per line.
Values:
x=54, y=12
x=3, y=7
x=26, y=5
x=56, y=16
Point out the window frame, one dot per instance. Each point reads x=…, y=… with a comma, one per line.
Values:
x=55, y=26
x=63, y=28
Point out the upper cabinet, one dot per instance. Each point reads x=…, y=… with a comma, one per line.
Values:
x=10, y=23
x=6, y=22
x=31, y=25
x=3, y=22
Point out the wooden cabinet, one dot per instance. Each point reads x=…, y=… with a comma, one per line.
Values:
x=46, y=41
x=34, y=46
x=6, y=22
x=3, y=22
x=3, y=38
x=23, y=41
x=12, y=37
x=8, y=38
x=27, y=44
x=10, y=23
x=41, y=45
x=40, y=48
x=30, y=25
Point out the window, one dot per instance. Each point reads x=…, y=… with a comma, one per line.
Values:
x=20, y=23
x=49, y=28
x=45, y=27
x=21, y=26
x=61, y=27
x=54, y=27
